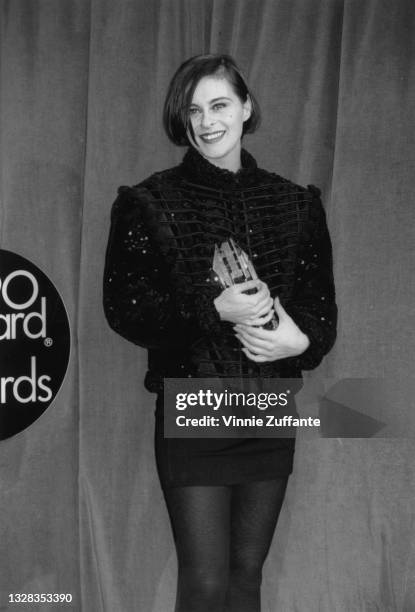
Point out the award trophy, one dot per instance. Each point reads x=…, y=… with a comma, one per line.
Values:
x=231, y=266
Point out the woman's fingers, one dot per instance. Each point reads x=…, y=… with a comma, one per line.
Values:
x=255, y=332
x=254, y=344
x=261, y=288
x=248, y=286
x=261, y=320
x=262, y=308
x=256, y=305
x=253, y=357
x=252, y=336
x=235, y=305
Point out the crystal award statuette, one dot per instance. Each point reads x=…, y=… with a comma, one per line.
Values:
x=231, y=265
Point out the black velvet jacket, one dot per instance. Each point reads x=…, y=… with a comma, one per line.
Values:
x=158, y=291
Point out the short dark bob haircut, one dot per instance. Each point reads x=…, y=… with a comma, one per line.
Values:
x=183, y=84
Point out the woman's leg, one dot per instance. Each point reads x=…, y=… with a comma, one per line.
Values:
x=255, y=508
x=200, y=518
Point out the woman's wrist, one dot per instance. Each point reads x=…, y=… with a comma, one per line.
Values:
x=303, y=343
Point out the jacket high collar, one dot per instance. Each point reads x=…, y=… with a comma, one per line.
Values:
x=197, y=169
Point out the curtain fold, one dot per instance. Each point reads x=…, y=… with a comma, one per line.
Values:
x=82, y=90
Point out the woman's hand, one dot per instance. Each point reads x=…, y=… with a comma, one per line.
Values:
x=263, y=345
x=237, y=307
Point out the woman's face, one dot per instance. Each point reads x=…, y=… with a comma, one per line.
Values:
x=217, y=116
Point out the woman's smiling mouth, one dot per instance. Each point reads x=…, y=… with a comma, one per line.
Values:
x=212, y=137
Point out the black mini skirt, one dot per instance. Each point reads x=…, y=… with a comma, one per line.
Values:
x=219, y=461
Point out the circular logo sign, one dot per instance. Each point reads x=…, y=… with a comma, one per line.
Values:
x=34, y=343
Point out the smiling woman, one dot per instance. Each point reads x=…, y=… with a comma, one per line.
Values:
x=217, y=116
x=223, y=495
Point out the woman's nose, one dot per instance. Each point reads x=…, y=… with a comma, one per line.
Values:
x=206, y=119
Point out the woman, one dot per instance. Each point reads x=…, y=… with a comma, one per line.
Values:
x=223, y=496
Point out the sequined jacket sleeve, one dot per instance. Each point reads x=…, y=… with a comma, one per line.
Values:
x=143, y=300
x=312, y=304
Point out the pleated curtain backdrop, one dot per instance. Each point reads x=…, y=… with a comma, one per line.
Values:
x=82, y=89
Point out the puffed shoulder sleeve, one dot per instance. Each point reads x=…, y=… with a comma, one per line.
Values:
x=312, y=305
x=142, y=300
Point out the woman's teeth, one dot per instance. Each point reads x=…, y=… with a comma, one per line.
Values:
x=212, y=137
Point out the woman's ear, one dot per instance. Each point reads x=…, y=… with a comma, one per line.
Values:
x=247, y=108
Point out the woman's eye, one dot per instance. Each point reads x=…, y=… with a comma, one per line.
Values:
x=219, y=105
x=193, y=111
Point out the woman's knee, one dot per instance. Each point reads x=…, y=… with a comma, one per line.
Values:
x=203, y=586
x=246, y=576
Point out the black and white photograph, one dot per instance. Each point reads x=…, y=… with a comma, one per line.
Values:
x=207, y=244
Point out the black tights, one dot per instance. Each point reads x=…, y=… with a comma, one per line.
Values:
x=222, y=536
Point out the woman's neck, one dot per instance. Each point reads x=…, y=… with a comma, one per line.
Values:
x=231, y=161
